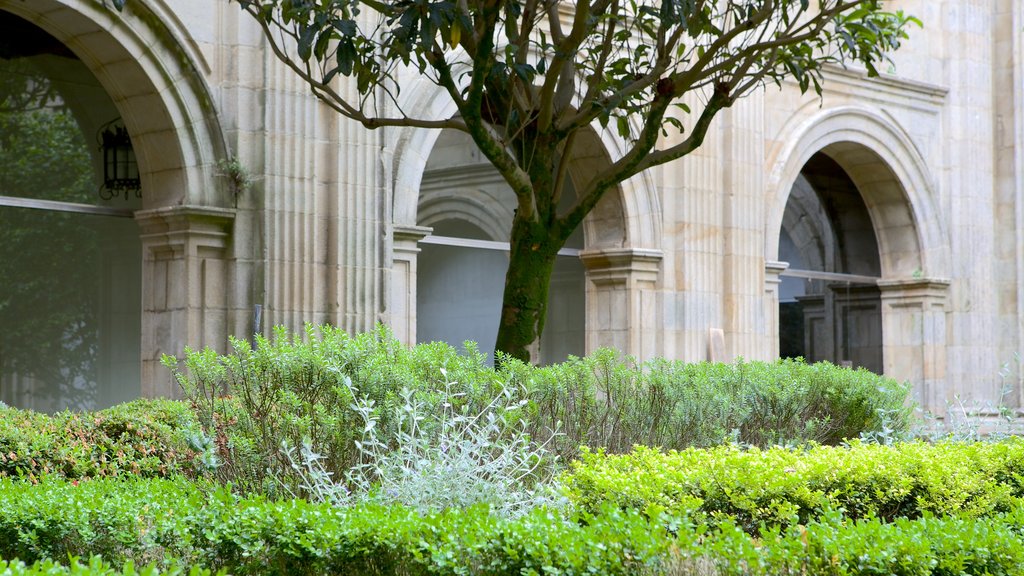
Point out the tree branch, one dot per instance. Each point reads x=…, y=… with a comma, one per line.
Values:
x=326, y=94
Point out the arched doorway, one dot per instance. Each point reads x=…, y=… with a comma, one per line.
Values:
x=829, y=301
x=70, y=254
x=897, y=192
x=621, y=238
x=462, y=263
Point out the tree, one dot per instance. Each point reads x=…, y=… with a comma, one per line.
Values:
x=530, y=77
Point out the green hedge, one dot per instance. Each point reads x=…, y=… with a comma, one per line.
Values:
x=292, y=387
x=95, y=566
x=150, y=521
x=142, y=438
x=602, y=402
x=781, y=486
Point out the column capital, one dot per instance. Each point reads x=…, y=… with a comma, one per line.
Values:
x=617, y=265
x=406, y=233
x=911, y=290
x=773, y=270
x=174, y=225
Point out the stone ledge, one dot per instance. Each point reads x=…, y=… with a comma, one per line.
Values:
x=209, y=226
x=617, y=265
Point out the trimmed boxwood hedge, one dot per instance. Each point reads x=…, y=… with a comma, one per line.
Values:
x=154, y=521
x=95, y=566
x=780, y=486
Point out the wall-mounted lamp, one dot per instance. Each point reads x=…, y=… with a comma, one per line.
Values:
x=120, y=168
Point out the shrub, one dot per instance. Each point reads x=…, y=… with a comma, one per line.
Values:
x=782, y=486
x=167, y=524
x=296, y=389
x=305, y=388
x=95, y=567
x=605, y=403
x=467, y=459
x=141, y=438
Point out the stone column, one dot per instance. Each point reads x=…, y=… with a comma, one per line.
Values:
x=623, y=309
x=772, y=280
x=184, y=286
x=914, y=337
x=403, y=281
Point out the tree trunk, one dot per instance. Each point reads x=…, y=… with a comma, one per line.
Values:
x=525, y=300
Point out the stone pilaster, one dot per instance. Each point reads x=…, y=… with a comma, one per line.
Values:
x=974, y=215
x=624, y=310
x=772, y=280
x=185, y=252
x=743, y=223
x=405, y=247
x=1008, y=38
x=914, y=337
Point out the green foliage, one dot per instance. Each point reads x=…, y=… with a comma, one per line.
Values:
x=603, y=402
x=95, y=567
x=238, y=177
x=785, y=487
x=446, y=459
x=296, y=389
x=623, y=53
x=141, y=438
x=42, y=149
x=311, y=388
x=166, y=525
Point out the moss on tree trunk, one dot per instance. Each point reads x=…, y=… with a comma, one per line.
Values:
x=525, y=301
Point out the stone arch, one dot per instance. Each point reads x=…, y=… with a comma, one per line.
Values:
x=634, y=211
x=465, y=206
x=622, y=235
x=151, y=71
x=890, y=173
x=146, y=61
x=900, y=196
x=814, y=244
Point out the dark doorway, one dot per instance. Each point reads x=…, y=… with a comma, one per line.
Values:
x=829, y=302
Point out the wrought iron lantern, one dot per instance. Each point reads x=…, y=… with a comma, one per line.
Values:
x=120, y=168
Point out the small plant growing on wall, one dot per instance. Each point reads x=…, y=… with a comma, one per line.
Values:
x=238, y=176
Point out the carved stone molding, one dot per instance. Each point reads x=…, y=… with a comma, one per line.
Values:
x=620, y=265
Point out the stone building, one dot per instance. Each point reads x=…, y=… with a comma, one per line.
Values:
x=881, y=225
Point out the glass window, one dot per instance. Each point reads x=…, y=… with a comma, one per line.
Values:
x=70, y=280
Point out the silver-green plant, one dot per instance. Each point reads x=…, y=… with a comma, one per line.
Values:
x=316, y=483
x=973, y=420
x=445, y=459
x=887, y=431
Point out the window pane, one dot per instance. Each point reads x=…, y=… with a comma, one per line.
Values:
x=70, y=309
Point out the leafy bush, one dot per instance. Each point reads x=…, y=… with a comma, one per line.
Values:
x=305, y=388
x=470, y=459
x=141, y=438
x=95, y=567
x=149, y=522
x=296, y=389
x=603, y=402
x=781, y=486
